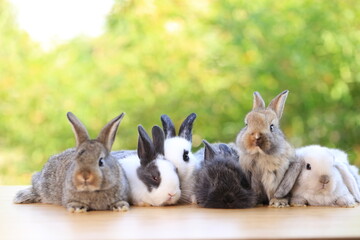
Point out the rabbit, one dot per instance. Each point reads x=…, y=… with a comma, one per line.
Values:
x=83, y=178
x=177, y=150
x=325, y=180
x=220, y=182
x=265, y=154
x=154, y=181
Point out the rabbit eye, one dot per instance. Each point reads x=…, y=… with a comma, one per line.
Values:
x=271, y=127
x=186, y=156
x=101, y=162
x=155, y=178
x=308, y=166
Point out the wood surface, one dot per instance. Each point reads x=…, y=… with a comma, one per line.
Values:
x=44, y=221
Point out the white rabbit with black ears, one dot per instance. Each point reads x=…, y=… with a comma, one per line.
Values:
x=153, y=180
x=177, y=149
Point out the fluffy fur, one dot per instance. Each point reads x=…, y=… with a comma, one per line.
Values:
x=221, y=183
x=265, y=155
x=153, y=180
x=177, y=150
x=325, y=180
x=83, y=178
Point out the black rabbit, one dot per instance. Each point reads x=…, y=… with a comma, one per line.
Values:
x=220, y=182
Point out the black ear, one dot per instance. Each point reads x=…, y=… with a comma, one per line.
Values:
x=186, y=127
x=80, y=132
x=209, y=152
x=158, y=139
x=225, y=149
x=108, y=133
x=146, y=150
x=168, y=126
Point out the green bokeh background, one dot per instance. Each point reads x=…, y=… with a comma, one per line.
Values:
x=178, y=57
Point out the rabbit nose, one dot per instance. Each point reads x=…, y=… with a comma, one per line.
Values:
x=324, y=179
x=171, y=195
x=85, y=176
x=256, y=135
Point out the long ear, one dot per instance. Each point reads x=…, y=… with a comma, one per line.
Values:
x=258, y=102
x=146, y=150
x=349, y=180
x=168, y=126
x=108, y=133
x=186, y=127
x=209, y=152
x=278, y=103
x=158, y=139
x=225, y=149
x=80, y=132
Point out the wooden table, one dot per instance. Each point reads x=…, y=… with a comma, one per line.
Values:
x=43, y=221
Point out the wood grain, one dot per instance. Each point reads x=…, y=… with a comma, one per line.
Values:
x=43, y=221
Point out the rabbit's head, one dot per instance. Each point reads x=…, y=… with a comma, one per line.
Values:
x=93, y=168
x=262, y=133
x=319, y=174
x=177, y=149
x=158, y=174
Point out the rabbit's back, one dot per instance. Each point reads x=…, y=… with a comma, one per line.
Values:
x=49, y=182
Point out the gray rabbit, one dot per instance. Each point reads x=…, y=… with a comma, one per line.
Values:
x=265, y=155
x=83, y=178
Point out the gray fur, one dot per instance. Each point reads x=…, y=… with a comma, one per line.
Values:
x=265, y=154
x=148, y=152
x=221, y=183
x=74, y=178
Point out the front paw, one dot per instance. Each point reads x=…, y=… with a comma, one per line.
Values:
x=121, y=206
x=279, y=202
x=76, y=207
x=298, y=202
x=347, y=201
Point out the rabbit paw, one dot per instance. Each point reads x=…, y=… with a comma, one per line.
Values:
x=75, y=207
x=346, y=201
x=279, y=202
x=298, y=202
x=121, y=206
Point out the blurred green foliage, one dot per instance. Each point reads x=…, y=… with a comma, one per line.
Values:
x=178, y=57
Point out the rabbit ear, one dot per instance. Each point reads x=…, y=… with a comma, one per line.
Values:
x=108, y=133
x=146, y=150
x=278, y=103
x=80, y=132
x=158, y=139
x=209, y=152
x=289, y=179
x=258, y=102
x=225, y=149
x=186, y=127
x=168, y=126
x=348, y=179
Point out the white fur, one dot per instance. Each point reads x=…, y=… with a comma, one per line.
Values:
x=139, y=194
x=174, y=149
x=308, y=189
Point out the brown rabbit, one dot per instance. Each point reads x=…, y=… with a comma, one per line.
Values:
x=265, y=155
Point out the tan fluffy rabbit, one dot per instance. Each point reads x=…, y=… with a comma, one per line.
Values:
x=265, y=154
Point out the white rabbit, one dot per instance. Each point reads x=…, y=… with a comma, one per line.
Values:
x=177, y=149
x=153, y=180
x=325, y=179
